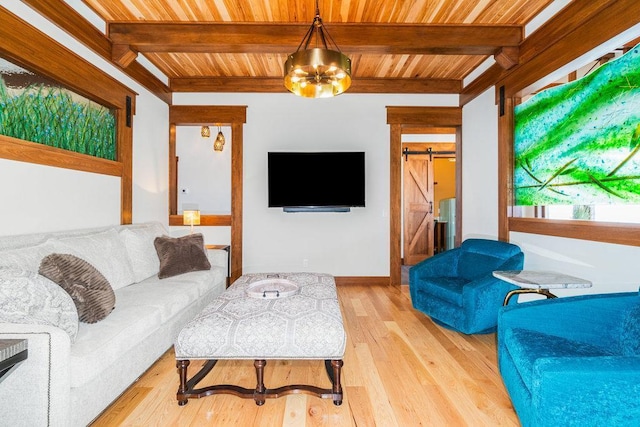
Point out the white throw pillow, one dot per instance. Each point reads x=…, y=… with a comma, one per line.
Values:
x=138, y=241
x=105, y=251
x=27, y=297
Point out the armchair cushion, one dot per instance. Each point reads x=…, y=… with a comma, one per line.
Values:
x=448, y=288
x=456, y=288
x=473, y=266
x=531, y=347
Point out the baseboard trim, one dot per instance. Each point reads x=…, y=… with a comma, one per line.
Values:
x=362, y=280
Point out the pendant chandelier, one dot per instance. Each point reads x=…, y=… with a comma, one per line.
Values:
x=317, y=72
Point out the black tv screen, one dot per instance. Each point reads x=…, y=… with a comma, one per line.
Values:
x=316, y=181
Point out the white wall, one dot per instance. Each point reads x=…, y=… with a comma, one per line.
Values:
x=480, y=167
x=59, y=199
x=343, y=244
x=611, y=268
x=203, y=173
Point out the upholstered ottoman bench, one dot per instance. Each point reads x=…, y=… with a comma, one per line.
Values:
x=297, y=318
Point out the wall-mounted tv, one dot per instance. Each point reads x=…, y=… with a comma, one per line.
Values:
x=311, y=181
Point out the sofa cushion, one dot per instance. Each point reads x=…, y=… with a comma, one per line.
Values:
x=138, y=241
x=27, y=297
x=448, y=289
x=88, y=288
x=180, y=255
x=141, y=309
x=525, y=347
x=171, y=295
x=105, y=251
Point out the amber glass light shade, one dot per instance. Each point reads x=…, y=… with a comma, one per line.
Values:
x=218, y=144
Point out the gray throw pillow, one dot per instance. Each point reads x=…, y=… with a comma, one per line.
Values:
x=180, y=255
x=89, y=290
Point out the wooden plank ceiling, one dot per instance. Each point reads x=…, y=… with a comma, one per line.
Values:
x=395, y=45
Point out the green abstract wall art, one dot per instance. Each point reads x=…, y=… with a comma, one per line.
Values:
x=34, y=108
x=579, y=143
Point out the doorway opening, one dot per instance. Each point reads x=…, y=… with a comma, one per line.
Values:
x=428, y=197
x=416, y=121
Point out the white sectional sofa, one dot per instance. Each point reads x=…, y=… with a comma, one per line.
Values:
x=69, y=379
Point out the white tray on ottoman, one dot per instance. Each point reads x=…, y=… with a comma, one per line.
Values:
x=306, y=324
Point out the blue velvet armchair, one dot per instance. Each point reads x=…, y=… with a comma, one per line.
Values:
x=573, y=361
x=456, y=288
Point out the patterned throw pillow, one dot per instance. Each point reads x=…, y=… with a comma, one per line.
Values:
x=90, y=291
x=27, y=297
x=180, y=255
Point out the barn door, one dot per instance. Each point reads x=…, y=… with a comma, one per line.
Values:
x=418, y=208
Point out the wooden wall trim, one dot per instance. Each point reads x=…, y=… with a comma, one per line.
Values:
x=236, y=199
x=198, y=115
x=125, y=158
x=205, y=220
x=505, y=168
x=425, y=116
x=623, y=234
x=66, y=17
x=31, y=152
x=395, y=205
x=362, y=280
x=173, y=173
x=459, y=163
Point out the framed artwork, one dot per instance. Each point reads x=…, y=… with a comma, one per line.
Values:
x=578, y=144
x=35, y=108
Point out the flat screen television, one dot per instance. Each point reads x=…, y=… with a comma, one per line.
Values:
x=311, y=181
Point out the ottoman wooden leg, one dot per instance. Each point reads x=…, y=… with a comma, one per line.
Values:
x=260, y=388
x=337, y=386
x=182, y=389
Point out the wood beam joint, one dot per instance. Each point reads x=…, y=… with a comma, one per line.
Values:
x=507, y=56
x=123, y=55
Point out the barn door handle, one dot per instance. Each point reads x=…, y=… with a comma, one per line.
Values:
x=430, y=207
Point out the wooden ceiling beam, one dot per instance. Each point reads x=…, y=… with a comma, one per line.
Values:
x=69, y=20
x=602, y=24
x=276, y=85
x=582, y=18
x=352, y=38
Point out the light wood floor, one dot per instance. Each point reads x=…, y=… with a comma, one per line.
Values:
x=400, y=369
